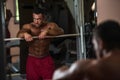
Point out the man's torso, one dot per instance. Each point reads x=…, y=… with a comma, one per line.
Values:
x=38, y=47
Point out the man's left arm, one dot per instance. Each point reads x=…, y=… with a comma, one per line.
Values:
x=54, y=29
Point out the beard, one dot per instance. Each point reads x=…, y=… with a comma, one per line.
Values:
x=37, y=25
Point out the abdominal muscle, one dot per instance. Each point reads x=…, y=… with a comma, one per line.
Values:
x=39, y=48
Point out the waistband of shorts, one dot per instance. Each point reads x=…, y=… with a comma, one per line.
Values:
x=39, y=56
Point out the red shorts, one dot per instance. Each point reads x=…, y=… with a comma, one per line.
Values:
x=40, y=68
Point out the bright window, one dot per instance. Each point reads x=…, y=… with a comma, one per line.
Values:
x=16, y=12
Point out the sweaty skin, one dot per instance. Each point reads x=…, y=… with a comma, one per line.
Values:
x=39, y=47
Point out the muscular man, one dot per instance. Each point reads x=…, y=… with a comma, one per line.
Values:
x=106, y=41
x=40, y=65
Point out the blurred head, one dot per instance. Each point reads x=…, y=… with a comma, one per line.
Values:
x=38, y=16
x=106, y=37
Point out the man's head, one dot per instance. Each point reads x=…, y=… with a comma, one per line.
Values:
x=38, y=16
x=106, y=37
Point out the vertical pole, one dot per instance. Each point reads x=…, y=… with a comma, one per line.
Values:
x=78, y=40
x=2, y=43
x=79, y=22
x=82, y=28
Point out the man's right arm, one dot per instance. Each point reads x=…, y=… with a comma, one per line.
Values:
x=67, y=73
x=74, y=72
x=25, y=30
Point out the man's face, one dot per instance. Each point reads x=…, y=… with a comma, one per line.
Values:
x=38, y=19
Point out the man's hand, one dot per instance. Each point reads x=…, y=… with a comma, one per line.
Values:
x=28, y=37
x=43, y=34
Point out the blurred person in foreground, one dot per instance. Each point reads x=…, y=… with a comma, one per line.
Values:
x=106, y=41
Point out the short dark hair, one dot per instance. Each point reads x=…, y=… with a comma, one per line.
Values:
x=39, y=10
x=109, y=33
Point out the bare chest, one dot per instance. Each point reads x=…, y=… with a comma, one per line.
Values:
x=36, y=31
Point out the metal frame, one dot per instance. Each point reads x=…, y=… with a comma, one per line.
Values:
x=2, y=43
x=79, y=22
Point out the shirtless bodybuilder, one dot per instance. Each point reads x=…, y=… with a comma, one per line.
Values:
x=40, y=65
